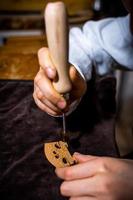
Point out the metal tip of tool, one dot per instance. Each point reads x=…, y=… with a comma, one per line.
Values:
x=66, y=96
x=64, y=123
x=64, y=133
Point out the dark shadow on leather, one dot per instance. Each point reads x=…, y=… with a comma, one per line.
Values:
x=25, y=173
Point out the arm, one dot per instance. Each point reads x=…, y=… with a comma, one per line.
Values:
x=45, y=95
x=102, y=44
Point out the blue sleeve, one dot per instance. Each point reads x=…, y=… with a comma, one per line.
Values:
x=103, y=44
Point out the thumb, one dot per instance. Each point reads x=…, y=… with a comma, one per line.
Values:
x=79, y=84
x=45, y=63
x=81, y=158
x=51, y=73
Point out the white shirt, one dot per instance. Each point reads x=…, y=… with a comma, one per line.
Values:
x=103, y=44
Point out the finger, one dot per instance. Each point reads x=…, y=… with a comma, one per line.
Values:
x=51, y=106
x=80, y=158
x=46, y=87
x=38, y=92
x=43, y=107
x=82, y=198
x=46, y=63
x=74, y=73
x=43, y=100
x=76, y=188
x=77, y=78
x=79, y=171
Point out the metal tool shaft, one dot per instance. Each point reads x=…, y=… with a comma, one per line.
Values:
x=64, y=126
x=64, y=133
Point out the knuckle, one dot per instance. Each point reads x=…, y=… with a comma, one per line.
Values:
x=103, y=165
x=50, y=96
x=68, y=174
x=36, y=79
x=40, y=96
x=41, y=51
x=105, y=186
x=63, y=188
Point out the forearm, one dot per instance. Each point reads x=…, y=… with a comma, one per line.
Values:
x=93, y=45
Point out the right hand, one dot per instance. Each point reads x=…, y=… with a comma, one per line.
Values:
x=45, y=95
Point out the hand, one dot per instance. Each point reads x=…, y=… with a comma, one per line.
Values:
x=97, y=178
x=45, y=96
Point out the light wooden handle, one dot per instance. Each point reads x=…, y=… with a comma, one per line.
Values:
x=57, y=37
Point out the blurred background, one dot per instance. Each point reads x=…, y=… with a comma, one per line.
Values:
x=25, y=174
x=22, y=30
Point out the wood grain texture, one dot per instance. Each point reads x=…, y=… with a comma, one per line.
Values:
x=18, y=66
x=18, y=57
x=56, y=23
x=38, y=5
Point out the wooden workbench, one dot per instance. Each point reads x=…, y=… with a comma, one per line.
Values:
x=18, y=57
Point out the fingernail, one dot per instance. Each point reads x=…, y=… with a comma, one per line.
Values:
x=50, y=72
x=61, y=104
x=76, y=154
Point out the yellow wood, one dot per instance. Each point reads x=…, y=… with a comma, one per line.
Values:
x=74, y=6
x=18, y=57
x=24, y=45
x=18, y=66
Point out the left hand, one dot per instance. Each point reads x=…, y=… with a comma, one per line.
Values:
x=97, y=178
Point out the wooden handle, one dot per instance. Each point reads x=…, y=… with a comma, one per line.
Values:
x=57, y=37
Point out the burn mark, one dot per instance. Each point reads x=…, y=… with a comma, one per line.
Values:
x=74, y=163
x=54, y=152
x=64, y=160
x=57, y=146
x=57, y=156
